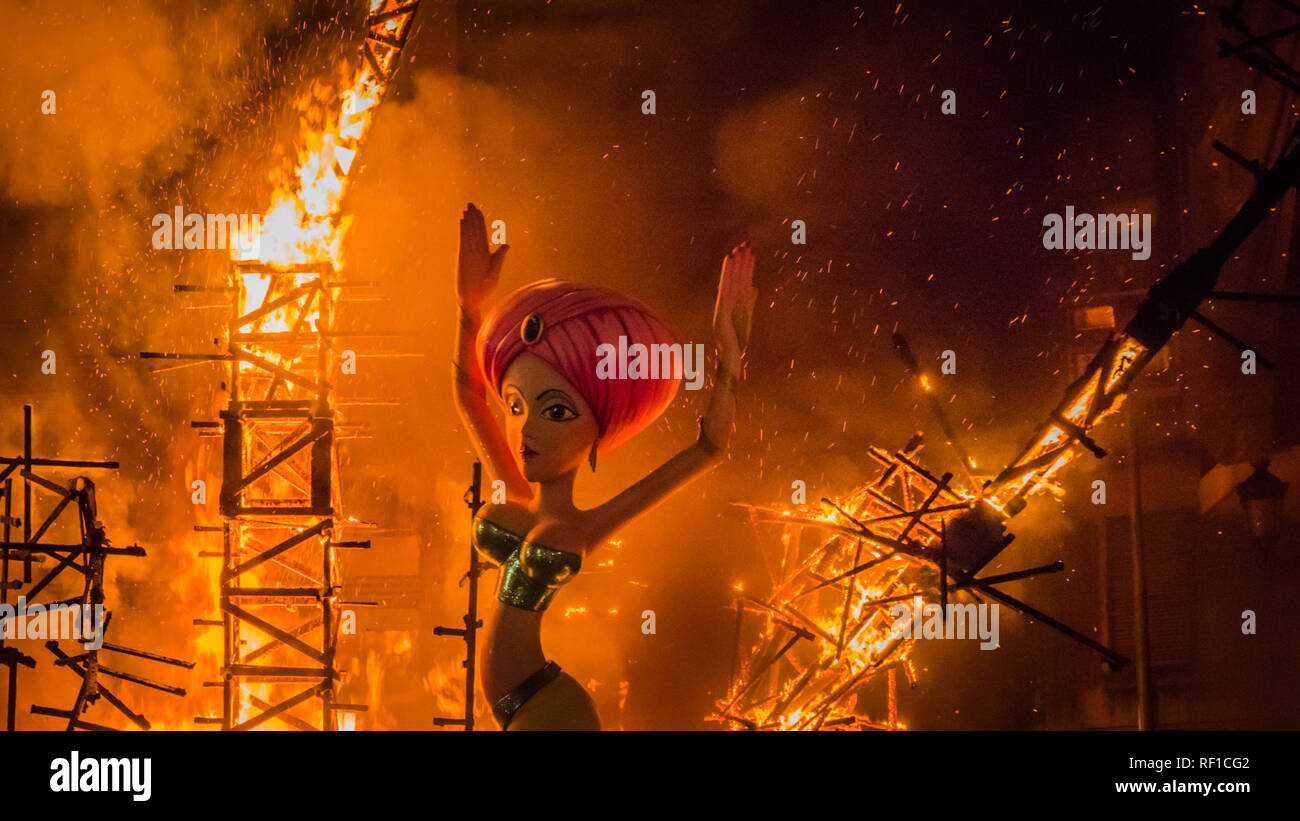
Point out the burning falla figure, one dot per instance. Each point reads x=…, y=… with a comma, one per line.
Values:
x=538, y=352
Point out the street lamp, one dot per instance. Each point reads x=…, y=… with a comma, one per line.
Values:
x=1261, y=495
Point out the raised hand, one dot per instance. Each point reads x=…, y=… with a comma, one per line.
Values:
x=478, y=267
x=734, y=311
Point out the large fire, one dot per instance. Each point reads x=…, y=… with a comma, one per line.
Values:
x=285, y=281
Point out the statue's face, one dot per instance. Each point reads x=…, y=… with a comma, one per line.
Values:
x=549, y=425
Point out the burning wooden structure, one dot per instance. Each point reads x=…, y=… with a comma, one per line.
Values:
x=829, y=625
x=279, y=585
x=86, y=557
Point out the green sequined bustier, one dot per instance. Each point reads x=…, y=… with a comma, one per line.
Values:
x=530, y=572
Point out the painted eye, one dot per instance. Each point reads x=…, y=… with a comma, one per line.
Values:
x=559, y=413
x=516, y=407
